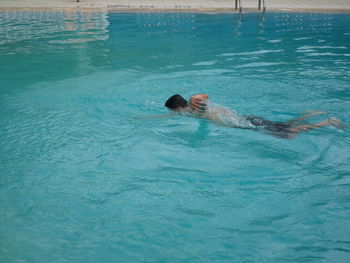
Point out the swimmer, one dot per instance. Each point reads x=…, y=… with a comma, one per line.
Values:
x=199, y=106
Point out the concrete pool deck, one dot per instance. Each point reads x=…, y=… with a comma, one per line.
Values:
x=341, y=6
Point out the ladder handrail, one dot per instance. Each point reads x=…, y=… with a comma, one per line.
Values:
x=263, y=5
x=238, y=3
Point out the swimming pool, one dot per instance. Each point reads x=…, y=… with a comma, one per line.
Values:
x=85, y=178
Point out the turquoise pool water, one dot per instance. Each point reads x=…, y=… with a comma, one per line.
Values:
x=85, y=178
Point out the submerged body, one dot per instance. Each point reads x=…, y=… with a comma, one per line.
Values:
x=200, y=106
x=278, y=129
x=226, y=117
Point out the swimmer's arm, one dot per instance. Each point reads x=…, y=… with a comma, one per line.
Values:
x=200, y=109
x=198, y=103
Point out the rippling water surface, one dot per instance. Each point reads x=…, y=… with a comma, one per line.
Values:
x=86, y=176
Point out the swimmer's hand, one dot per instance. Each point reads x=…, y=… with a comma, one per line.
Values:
x=198, y=103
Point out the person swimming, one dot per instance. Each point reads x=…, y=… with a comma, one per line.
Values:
x=200, y=106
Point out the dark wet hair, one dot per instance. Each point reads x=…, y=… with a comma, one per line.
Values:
x=176, y=101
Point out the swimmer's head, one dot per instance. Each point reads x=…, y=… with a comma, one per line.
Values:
x=176, y=102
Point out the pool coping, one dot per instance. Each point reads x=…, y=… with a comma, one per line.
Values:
x=112, y=9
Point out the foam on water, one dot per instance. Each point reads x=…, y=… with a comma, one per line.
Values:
x=225, y=116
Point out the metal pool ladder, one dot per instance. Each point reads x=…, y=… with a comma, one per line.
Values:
x=261, y=2
x=261, y=5
x=238, y=4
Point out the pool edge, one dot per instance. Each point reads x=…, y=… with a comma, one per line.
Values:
x=112, y=9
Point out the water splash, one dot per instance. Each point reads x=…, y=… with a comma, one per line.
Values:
x=222, y=115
